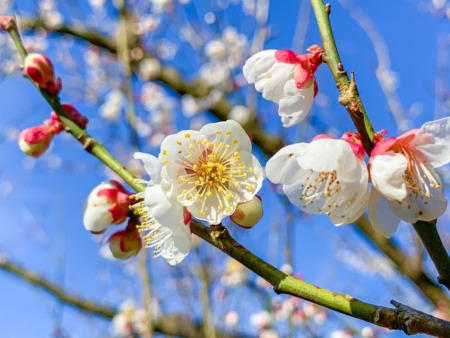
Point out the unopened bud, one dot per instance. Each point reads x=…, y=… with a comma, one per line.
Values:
x=75, y=116
x=125, y=243
x=108, y=203
x=6, y=22
x=249, y=213
x=40, y=69
x=35, y=141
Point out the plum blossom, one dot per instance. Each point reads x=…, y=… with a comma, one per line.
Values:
x=327, y=176
x=165, y=221
x=405, y=185
x=287, y=79
x=210, y=171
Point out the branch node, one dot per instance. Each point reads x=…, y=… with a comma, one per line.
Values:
x=328, y=8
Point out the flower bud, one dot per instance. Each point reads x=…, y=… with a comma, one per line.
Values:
x=125, y=243
x=249, y=213
x=75, y=116
x=35, y=141
x=107, y=204
x=40, y=69
x=6, y=22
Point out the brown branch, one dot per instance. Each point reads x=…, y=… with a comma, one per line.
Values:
x=402, y=318
x=172, y=325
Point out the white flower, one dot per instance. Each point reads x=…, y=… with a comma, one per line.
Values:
x=326, y=176
x=405, y=185
x=166, y=222
x=287, y=79
x=210, y=171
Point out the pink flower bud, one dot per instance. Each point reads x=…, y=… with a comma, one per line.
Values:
x=35, y=141
x=125, y=243
x=40, y=69
x=75, y=116
x=108, y=203
x=249, y=213
x=6, y=22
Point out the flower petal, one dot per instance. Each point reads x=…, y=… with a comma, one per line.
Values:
x=437, y=150
x=326, y=155
x=230, y=132
x=386, y=172
x=161, y=208
x=258, y=63
x=381, y=217
x=152, y=166
x=296, y=104
x=283, y=167
x=181, y=246
x=271, y=84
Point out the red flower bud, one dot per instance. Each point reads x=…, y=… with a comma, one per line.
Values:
x=125, y=243
x=108, y=203
x=40, y=69
x=35, y=141
x=75, y=116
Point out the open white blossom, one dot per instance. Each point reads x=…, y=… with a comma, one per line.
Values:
x=210, y=171
x=405, y=185
x=287, y=79
x=166, y=222
x=326, y=176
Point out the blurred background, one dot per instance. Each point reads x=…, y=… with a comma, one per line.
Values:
x=143, y=69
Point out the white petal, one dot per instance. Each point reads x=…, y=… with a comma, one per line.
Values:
x=283, y=167
x=381, y=217
x=386, y=172
x=177, y=145
x=161, y=208
x=265, y=57
x=296, y=104
x=327, y=155
x=237, y=133
x=255, y=178
x=271, y=84
x=181, y=246
x=438, y=151
x=97, y=218
x=414, y=208
x=152, y=166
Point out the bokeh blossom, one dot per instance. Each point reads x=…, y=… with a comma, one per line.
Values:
x=287, y=79
x=327, y=176
x=210, y=171
x=405, y=185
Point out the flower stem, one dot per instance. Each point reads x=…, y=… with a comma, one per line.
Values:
x=429, y=235
x=349, y=96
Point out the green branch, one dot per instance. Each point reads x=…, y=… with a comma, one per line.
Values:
x=349, y=96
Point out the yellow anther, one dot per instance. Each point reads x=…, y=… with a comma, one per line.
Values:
x=179, y=143
x=219, y=132
x=191, y=146
x=165, y=161
x=187, y=135
x=220, y=207
x=228, y=133
x=235, y=142
x=164, y=152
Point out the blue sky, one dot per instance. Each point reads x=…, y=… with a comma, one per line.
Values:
x=41, y=215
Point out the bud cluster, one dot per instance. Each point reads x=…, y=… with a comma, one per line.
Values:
x=107, y=204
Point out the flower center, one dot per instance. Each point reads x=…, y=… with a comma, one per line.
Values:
x=323, y=187
x=419, y=176
x=212, y=169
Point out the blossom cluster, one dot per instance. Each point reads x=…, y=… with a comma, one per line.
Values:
x=329, y=176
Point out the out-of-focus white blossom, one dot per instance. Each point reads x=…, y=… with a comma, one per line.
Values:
x=240, y=114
